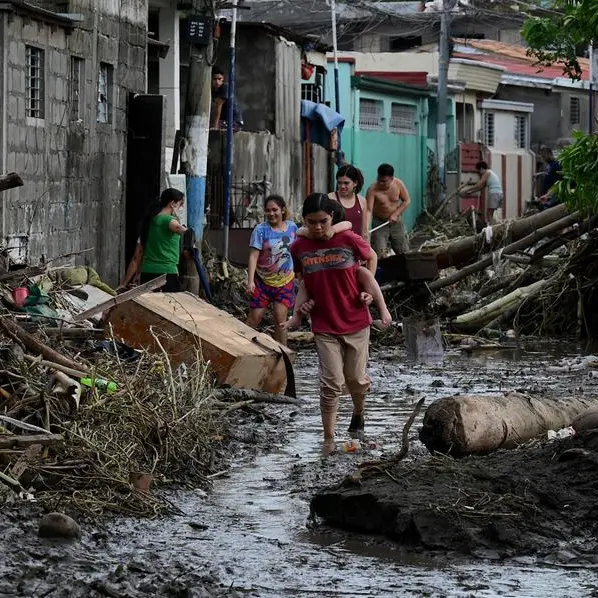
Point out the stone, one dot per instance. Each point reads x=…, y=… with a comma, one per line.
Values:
x=58, y=525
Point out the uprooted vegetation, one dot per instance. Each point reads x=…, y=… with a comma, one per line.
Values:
x=158, y=422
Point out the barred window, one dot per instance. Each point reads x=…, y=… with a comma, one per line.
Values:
x=77, y=87
x=403, y=119
x=34, y=84
x=489, y=129
x=574, y=111
x=311, y=92
x=521, y=131
x=105, y=78
x=371, y=115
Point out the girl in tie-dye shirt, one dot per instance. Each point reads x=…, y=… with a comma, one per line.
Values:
x=271, y=277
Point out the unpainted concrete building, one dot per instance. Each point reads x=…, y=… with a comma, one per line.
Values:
x=67, y=69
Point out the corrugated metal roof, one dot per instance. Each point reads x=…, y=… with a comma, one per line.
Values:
x=513, y=58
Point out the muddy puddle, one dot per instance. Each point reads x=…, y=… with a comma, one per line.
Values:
x=252, y=535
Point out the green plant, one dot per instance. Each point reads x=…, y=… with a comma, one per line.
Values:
x=578, y=187
x=558, y=37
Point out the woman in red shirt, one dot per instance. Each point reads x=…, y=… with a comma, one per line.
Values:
x=349, y=182
x=340, y=318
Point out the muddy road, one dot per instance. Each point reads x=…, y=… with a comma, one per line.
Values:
x=252, y=535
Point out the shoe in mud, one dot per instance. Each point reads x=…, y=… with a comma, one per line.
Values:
x=356, y=426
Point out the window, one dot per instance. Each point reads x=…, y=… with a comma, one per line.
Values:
x=371, y=115
x=311, y=92
x=77, y=87
x=105, y=93
x=403, y=119
x=574, y=111
x=521, y=131
x=489, y=129
x=34, y=85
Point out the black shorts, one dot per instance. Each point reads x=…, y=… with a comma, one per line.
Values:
x=173, y=283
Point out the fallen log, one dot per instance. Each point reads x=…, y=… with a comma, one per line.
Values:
x=523, y=243
x=466, y=425
x=461, y=251
x=478, y=317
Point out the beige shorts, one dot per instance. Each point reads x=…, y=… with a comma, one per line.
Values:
x=343, y=361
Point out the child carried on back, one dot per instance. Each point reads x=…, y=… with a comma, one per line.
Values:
x=367, y=283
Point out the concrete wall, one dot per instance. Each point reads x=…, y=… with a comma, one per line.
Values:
x=269, y=91
x=256, y=82
x=551, y=123
x=74, y=172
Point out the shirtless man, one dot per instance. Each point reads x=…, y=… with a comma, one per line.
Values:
x=387, y=199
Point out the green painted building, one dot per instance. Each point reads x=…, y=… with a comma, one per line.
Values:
x=389, y=122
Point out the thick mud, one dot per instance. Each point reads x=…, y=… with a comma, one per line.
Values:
x=253, y=536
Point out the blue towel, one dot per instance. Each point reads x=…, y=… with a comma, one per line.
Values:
x=323, y=120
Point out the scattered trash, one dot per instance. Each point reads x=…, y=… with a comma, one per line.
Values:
x=560, y=434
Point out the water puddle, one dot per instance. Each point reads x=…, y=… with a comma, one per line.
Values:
x=252, y=533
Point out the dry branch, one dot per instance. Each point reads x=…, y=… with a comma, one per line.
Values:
x=256, y=396
x=30, y=342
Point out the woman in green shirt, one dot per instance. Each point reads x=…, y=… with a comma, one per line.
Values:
x=161, y=240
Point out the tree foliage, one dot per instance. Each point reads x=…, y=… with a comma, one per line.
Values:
x=555, y=38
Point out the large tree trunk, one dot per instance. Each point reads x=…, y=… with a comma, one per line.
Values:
x=528, y=241
x=466, y=425
x=462, y=251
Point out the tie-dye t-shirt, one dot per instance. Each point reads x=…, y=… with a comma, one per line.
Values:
x=274, y=264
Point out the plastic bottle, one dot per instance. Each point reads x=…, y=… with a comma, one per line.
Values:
x=100, y=384
x=351, y=446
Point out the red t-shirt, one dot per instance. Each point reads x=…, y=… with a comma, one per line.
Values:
x=329, y=271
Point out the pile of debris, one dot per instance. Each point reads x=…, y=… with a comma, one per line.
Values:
x=86, y=420
x=536, y=275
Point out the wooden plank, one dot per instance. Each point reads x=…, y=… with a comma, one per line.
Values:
x=156, y=283
x=28, y=440
x=20, y=467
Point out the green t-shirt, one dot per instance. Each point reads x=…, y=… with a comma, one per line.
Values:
x=162, y=248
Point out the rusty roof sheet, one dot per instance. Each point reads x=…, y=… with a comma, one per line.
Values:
x=513, y=58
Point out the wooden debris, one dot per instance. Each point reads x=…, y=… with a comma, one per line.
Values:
x=28, y=440
x=534, y=237
x=152, y=285
x=36, y=346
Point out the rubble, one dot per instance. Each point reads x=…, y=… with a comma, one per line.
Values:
x=89, y=424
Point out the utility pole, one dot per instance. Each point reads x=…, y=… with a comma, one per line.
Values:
x=197, y=124
x=442, y=95
x=337, y=95
x=229, y=128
